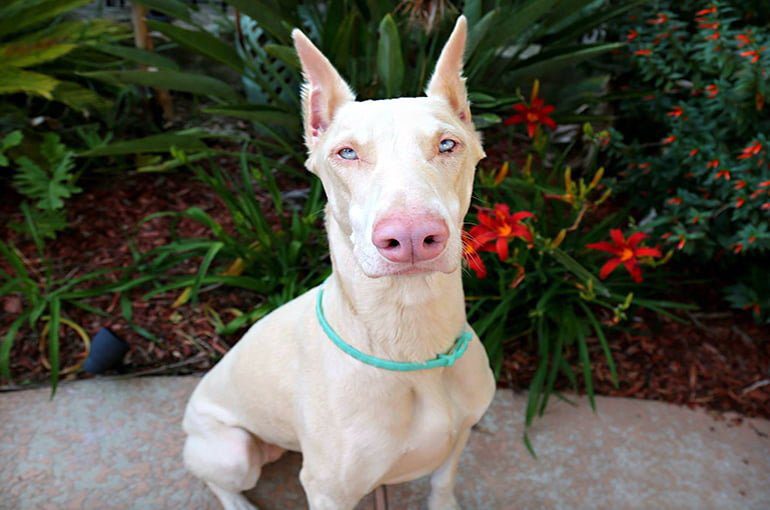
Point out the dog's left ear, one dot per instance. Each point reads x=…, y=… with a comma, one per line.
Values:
x=447, y=80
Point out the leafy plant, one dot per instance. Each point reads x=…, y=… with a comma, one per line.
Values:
x=44, y=300
x=36, y=50
x=698, y=167
x=275, y=248
x=9, y=141
x=509, y=43
x=551, y=266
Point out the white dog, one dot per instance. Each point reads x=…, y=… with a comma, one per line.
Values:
x=346, y=373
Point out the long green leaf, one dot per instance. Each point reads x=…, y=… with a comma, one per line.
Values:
x=171, y=80
x=274, y=22
x=16, y=54
x=53, y=342
x=154, y=143
x=201, y=42
x=5, y=347
x=19, y=15
x=578, y=270
x=264, y=114
x=285, y=54
x=14, y=80
x=390, y=62
x=585, y=361
x=603, y=341
x=173, y=8
x=144, y=57
x=586, y=23
x=553, y=60
x=203, y=270
x=80, y=98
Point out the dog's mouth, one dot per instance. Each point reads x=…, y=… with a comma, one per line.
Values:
x=438, y=265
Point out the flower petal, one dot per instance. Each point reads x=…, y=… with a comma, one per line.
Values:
x=634, y=270
x=645, y=251
x=608, y=268
x=501, y=247
x=603, y=246
x=617, y=237
x=636, y=238
x=518, y=216
x=549, y=122
x=531, y=127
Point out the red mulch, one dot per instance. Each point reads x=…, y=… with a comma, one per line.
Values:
x=720, y=361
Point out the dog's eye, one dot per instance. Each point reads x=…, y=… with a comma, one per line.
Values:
x=348, y=153
x=446, y=145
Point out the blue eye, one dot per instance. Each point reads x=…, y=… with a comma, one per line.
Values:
x=446, y=145
x=348, y=153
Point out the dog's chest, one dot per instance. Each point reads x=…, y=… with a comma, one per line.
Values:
x=437, y=421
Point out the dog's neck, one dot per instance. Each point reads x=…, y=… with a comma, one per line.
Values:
x=403, y=318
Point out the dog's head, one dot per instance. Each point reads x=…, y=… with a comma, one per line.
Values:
x=398, y=173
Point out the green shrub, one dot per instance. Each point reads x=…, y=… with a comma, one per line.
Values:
x=694, y=149
x=277, y=248
x=560, y=269
x=386, y=50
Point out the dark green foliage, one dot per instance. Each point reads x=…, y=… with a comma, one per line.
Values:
x=693, y=139
x=386, y=50
x=277, y=249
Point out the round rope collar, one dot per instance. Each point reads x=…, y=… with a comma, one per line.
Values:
x=446, y=359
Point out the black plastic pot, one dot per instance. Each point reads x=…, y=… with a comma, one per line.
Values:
x=107, y=351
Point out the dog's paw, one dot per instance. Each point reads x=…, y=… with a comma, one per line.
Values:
x=443, y=502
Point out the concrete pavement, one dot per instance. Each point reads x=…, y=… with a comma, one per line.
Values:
x=116, y=444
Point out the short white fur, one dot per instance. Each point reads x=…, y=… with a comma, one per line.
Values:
x=286, y=386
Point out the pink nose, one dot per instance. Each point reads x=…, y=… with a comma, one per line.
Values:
x=413, y=238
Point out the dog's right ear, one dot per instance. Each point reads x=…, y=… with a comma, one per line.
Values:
x=324, y=90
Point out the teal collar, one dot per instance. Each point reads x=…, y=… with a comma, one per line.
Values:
x=446, y=359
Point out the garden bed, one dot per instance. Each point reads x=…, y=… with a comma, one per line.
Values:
x=716, y=359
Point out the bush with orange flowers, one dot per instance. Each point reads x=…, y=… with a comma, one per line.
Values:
x=692, y=138
x=546, y=263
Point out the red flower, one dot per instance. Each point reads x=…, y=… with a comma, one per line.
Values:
x=704, y=12
x=497, y=227
x=533, y=115
x=712, y=90
x=643, y=53
x=739, y=185
x=668, y=140
x=658, y=20
x=709, y=25
x=723, y=173
x=753, y=55
x=739, y=203
x=626, y=252
x=471, y=255
x=764, y=184
x=765, y=206
x=675, y=200
x=743, y=40
x=750, y=151
x=675, y=112
x=713, y=37
x=632, y=34
x=693, y=152
x=713, y=163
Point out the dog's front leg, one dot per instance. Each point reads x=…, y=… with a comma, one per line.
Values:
x=442, y=482
x=326, y=489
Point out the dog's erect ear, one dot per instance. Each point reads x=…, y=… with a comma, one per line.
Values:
x=324, y=90
x=447, y=80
